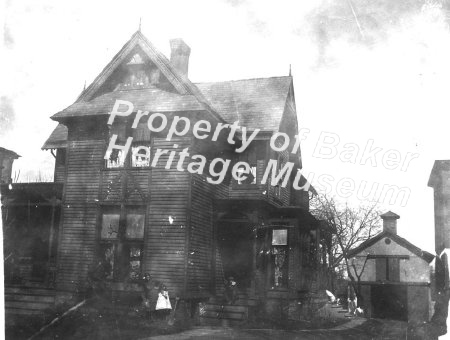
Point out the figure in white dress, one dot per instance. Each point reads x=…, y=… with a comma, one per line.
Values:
x=163, y=305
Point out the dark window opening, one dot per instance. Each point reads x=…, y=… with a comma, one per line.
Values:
x=280, y=257
x=388, y=269
x=122, y=240
x=139, y=154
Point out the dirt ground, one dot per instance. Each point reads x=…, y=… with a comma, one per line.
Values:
x=370, y=329
x=99, y=322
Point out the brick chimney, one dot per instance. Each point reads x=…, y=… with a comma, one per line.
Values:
x=179, y=55
x=390, y=222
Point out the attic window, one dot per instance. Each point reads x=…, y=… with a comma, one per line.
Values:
x=136, y=74
x=136, y=59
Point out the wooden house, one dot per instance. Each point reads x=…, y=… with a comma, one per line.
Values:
x=7, y=158
x=394, y=274
x=175, y=224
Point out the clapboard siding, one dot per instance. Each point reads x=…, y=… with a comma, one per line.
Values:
x=60, y=173
x=200, y=236
x=77, y=242
x=221, y=191
x=167, y=222
x=77, y=245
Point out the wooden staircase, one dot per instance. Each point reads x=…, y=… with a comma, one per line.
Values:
x=27, y=300
x=217, y=312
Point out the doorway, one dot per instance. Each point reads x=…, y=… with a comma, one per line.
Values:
x=389, y=302
x=235, y=242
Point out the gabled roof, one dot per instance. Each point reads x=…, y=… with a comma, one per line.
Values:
x=181, y=83
x=438, y=167
x=153, y=100
x=255, y=103
x=400, y=240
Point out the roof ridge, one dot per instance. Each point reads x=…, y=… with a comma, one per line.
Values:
x=237, y=80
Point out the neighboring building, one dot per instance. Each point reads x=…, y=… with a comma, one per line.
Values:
x=175, y=225
x=440, y=182
x=394, y=275
x=7, y=158
x=30, y=215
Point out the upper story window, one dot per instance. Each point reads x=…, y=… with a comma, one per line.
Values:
x=247, y=175
x=388, y=269
x=139, y=154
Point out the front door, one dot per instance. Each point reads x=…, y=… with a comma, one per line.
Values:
x=236, y=250
x=272, y=257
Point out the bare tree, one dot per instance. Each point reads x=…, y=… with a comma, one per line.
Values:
x=351, y=226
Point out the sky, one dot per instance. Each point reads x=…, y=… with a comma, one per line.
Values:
x=367, y=75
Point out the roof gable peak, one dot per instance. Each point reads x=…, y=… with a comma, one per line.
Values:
x=132, y=53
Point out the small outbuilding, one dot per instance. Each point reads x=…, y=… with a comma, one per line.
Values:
x=394, y=275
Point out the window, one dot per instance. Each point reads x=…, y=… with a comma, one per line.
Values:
x=388, y=269
x=250, y=158
x=115, y=157
x=140, y=156
x=251, y=177
x=140, y=151
x=121, y=241
x=280, y=257
x=278, y=185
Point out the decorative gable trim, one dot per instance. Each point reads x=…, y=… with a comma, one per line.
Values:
x=136, y=40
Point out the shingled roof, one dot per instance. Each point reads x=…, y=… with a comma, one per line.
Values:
x=9, y=153
x=181, y=84
x=255, y=103
x=58, y=138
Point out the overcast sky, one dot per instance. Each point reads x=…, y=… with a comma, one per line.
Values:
x=364, y=71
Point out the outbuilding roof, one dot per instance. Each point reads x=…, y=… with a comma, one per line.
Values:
x=400, y=240
x=9, y=153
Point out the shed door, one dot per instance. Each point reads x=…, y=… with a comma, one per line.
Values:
x=389, y=302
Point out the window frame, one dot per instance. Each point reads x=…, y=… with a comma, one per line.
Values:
x=123, y=127
x=273, y=249
x=121, y=244
x=386, y=262
x=250, y=158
